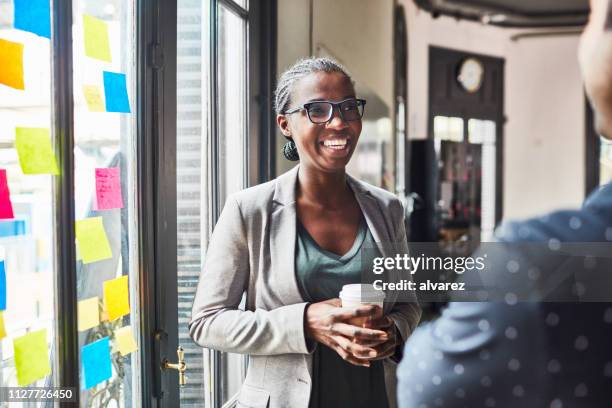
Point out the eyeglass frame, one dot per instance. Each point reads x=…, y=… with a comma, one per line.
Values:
x=331, y=115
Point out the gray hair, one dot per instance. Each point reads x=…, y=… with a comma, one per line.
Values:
x=299, y=70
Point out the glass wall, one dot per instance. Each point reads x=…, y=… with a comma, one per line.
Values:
x=27, y=162
x=105, y=210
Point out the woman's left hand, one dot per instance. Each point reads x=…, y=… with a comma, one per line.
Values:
x=386, y=349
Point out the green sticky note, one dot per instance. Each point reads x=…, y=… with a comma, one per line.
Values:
x=34, y=149
x=95, y=32
x=31, y=357
x=92, y=240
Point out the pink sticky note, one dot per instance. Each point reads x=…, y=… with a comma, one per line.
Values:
x=108, y=189
x=6, y=207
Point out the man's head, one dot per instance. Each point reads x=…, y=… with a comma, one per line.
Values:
x=595, y=56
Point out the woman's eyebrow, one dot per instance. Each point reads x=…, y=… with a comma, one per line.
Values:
x=325, y=100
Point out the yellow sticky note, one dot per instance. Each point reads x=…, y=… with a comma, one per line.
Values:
x=95, y=32
x=92, y=240
x=2, y=328
x=11, y=64
x=89, y=314
x=116, y=297
x=31, y=357
x=125, y=340
x=93, y=96
x=34, y=149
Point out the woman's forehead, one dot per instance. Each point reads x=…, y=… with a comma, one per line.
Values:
x=323, y=85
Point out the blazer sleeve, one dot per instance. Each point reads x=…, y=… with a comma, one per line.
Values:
x=217, y=322
x=405, y=315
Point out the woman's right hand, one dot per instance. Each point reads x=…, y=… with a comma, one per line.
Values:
x=328, y=323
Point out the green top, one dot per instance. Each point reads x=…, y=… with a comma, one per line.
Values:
x=320, y=276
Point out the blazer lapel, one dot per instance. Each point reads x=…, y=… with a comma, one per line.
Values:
x=283, y=232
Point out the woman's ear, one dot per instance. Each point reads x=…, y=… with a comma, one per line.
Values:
x=283, y=125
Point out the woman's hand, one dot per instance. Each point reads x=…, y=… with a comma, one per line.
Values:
x=386, y=349
x=328, y=323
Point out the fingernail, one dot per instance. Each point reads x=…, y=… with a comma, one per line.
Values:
x=372, y=353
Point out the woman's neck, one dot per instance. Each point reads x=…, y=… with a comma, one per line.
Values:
x=327, y=189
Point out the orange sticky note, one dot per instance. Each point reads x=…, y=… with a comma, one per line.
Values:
x=125, y=341
x=93, y=97
x=31, y=357
x=88, y=313
x=116, y=297
x=92, y=240
x=11, y=64
x=35, y=152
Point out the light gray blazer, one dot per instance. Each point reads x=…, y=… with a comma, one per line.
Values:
x=252, y=250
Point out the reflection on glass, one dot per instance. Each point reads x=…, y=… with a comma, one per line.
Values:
x=27, y=239
x=105, y=186
x=448, y=128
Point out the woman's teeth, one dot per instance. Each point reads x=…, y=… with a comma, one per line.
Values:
x=337, y=144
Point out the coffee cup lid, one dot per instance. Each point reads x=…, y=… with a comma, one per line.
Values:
x=362, y=292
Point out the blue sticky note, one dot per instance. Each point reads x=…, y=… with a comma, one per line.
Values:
x=2, y=286
x=115, y=91
x=96, y=363
x=33, y=16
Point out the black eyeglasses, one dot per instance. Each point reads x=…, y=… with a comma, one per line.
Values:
x=322, y=111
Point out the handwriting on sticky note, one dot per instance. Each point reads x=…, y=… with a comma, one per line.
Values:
x=11, y=64
x=35, y=152
x=125, y=340
x=115, y=92
x=95, y=32
x=92, y=240
x=88, y=313
x=2, y=285
x=93, y=97
x=108, y=189
x=96, y=362
x=116, y=297
x=33, y=16
x=31, y=357
x=6, y=206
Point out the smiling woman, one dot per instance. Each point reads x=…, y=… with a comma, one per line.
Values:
x=277, y=242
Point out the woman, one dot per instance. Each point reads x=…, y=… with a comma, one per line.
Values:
x=291, y=244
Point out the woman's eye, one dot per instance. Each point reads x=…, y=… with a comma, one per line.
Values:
x=317, y=110
x=349, y=106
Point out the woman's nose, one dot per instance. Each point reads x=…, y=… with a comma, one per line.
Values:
x=337, y=121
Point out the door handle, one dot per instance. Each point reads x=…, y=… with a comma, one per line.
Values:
x=180, y=366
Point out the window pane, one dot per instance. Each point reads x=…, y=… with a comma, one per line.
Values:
x=192, y=183
x=105, y=195
x=26, y=235
x=232, y=141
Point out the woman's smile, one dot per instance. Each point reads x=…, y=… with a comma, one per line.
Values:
x=336, y=146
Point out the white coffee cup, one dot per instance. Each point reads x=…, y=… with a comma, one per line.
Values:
x=360, y=294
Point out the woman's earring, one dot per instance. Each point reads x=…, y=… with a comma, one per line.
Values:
x=290, y=151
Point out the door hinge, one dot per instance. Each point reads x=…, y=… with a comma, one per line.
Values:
x=156, y=56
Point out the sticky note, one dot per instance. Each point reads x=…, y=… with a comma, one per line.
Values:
x=115, y=92
x=108, y=189
x=2, y=328
x=31, y=357
x=2, y=286
x=6, y=207
x=93, y=97
x=34, y=149
x=88, y=313
x=33, y=16
x=125, y=340
x=96, y=362
x=92, y=240
x=95, y=32
x=116, y=297
x=11, y=64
